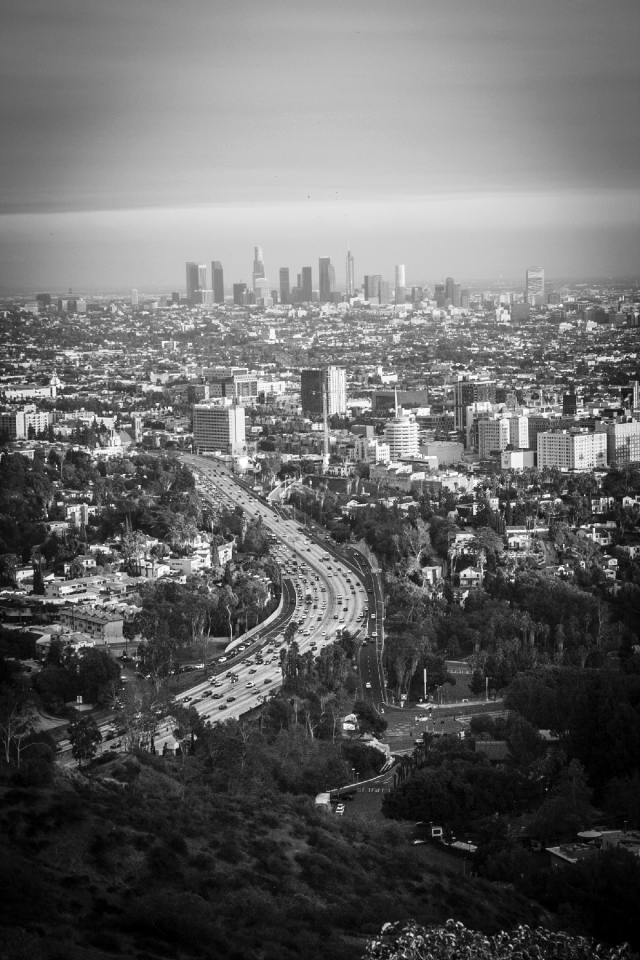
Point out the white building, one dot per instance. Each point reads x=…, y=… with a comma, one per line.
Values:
x=569, y=450
x=367, y=450
x=401, y=434
x=16, y=423
x=493, y=435
x=219, y=427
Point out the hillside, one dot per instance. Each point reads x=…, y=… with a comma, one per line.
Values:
x=143, y=858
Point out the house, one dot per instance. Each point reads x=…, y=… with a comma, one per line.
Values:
x=570, y=853
x=470, y=577
x=622, y=839
x=102, y=625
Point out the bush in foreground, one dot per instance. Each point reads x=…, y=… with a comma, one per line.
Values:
x=453, y=941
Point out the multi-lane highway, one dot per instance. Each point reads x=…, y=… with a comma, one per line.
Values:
x=324, y=592
x=331, y=593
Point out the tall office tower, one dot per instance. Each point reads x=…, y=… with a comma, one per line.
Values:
x=307, y=284
x=439, y=294
x=325, y=279
x=385, y=291
x=206, y=298
x=217, y=281
x=449, y=285
x=401, y=434
x=240, y=294
x=175, y=297
x=285, y=292
x=372, y=284
x=134, y=297
x=219, y=427
x=465, y=393
x=569, y=403
x=351, y=281
x=401, y=286
x=465, y=299
x=193, y=282
x=258, y=266
x=202, y=276
x=261, y=290
x=312, y=384
x=456, y=294
x=535, y=285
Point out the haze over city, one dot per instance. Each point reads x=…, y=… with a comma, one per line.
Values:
x=464, y=137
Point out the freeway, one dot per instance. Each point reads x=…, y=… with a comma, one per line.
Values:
x=330, y=593
x=324, y=591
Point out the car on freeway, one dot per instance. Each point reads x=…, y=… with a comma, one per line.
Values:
x=187, y=699
x=218, y=696
x=267, y=680
x=250, y=684
x=253, y=670
x=367, y=685
x=222, y=706
x=222, y=659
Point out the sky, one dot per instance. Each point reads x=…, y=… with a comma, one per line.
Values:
x=470, y=138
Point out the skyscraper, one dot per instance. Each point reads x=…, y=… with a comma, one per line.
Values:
x=327, y=279
x=372, y=286
x=401, y=291
x=535, y=285
x=449, y=285
x=258, y=266
x=240, y=294
x=285, y=292
x=312, y=384
x=134, y=297
x=193, y=282
x=217, y=281
x=351, y=283
x=307, y=285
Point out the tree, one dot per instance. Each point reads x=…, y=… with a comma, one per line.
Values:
x=568, y=808
x=17, y=721
x=454, y=941
x=84, y=736
x=369, y=719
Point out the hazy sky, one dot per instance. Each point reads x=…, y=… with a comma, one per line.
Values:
x=464, y=137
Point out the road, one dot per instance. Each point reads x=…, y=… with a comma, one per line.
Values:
x=324, y=591
x=327, y=593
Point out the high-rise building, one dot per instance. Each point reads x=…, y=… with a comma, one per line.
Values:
x=313, y=382
x=372, y=284
x=401, y=434
x=465, y=299
x=449, y=286
x=134, y=297
x=623, y=443
x=401, y=286
x=466, y=392
x=219, y=427
x=572, y=450
x=535, y=286
x=456, y=295
x=493, y=436
x=351, y=282
x=306, y=284
x=258, y=266
x=175, y=297
x=439, y=294
x=192, y=282
x=240, y=294
x=217, y=281
x=262, y=291
x=327, y=275
x=285, y=292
